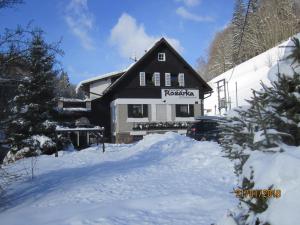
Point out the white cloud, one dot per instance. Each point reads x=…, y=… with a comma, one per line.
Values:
x=80, y=21
x=185, y=14
x=190, y=2
x=131, y=39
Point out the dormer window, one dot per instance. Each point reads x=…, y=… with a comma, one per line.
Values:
x=161, y=56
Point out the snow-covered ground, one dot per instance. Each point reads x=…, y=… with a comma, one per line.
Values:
x=163, y=179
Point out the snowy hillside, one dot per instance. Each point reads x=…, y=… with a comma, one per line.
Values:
x=163, y=179
x=247, y=76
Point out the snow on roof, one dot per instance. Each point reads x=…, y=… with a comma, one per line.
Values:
x=76, y=109
x=97, y=128
x=74, y=100
x=100, y=77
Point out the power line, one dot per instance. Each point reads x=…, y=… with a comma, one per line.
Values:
x=242, y=36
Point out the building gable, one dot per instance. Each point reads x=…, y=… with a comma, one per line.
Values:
x=128, y=85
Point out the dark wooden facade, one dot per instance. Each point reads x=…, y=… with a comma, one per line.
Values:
x=128, y=86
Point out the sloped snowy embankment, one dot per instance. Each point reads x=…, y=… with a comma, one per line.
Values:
x=163, y=179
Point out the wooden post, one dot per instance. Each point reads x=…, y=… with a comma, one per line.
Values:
x=103, y=145
x=88, y=138
x=77, y=138
x=219, y=101
x=56, y=152
x=56, y=141
x=228, y=97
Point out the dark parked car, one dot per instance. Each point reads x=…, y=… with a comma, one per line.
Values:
x=205, y=128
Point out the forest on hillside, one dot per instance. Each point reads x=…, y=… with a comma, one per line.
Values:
x=256, y=26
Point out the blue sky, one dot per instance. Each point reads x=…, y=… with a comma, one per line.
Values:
x=100, y=36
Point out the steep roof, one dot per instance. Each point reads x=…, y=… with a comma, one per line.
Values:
x=155, y=46
x=100, y=77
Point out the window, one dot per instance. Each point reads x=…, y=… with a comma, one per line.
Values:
x=181, y=79
x=156, y=79
x=142, y=79
x=167, y=79
x=150, y=79
x=174, y=80
x=137, y=111
x=161, y=57
x=184, y=110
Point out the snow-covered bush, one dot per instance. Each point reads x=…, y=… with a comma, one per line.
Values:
x=35, y=145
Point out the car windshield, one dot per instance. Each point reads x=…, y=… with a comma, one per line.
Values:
x=206, y=126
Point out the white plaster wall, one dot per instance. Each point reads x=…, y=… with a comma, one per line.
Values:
x=98, y=87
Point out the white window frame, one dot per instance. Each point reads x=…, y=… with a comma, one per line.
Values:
x=161, y=57
x=142, y=79
x=181, y=80
x=168, y=79
x=156, y=79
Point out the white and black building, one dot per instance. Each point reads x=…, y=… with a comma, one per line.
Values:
x=158, y=93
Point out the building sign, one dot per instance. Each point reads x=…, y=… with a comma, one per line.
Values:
x=176, y=94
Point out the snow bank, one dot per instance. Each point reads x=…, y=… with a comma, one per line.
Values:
x=282, y=171
x=163, y=179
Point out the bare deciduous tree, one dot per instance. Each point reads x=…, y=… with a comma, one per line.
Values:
x=220, y=54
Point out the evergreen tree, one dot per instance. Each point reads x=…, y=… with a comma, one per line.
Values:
x=266, y=136
x=295, y=55
x=237, y=138
x=32, y=108
x=284, y=101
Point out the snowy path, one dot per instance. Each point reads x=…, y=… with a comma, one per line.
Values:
x=164, y=179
